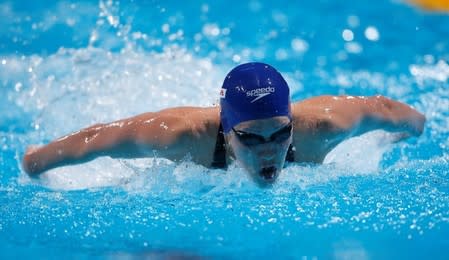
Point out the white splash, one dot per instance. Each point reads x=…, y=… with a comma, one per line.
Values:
x=438, y=71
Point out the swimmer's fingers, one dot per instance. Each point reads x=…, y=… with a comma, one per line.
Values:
x=415, y=123
x=420, y=121
x=30, y=162
x=407, y=118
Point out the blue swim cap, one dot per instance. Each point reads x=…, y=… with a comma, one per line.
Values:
x=253, y=91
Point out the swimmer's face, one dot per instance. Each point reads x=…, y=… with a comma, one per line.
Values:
x=260, y=146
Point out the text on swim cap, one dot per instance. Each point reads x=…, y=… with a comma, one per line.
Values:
x=259, y=91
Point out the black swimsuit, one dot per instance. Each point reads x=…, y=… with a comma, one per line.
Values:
x=219, y=160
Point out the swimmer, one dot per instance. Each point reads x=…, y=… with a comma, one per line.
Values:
x=255, y=125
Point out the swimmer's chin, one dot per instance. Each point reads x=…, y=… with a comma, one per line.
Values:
x=266, y=177
x=265, y=184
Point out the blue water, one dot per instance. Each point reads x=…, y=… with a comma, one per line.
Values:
x=65, y=65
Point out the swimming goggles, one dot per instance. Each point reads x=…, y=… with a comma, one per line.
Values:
x=250, y=139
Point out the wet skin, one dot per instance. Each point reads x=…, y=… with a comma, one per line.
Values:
x=263, y=162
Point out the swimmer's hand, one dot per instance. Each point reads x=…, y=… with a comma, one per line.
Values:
x=393, y=116
x=404, y=117
x=31, y=163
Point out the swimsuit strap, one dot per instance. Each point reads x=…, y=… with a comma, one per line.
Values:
x=219, y=160
x=290, y=157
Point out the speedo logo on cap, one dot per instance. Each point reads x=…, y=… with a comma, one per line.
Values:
x=260, y=93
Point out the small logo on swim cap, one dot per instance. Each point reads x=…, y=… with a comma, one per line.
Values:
x=223, y=93
x=260, y=93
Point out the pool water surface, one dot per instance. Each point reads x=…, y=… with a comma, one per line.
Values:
x=65, y=65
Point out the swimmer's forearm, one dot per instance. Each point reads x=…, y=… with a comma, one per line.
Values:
x=78, y=147
x=54, y=155
x=393, y=116
x=38, y=160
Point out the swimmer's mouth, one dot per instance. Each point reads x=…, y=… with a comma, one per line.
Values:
x=268, y=174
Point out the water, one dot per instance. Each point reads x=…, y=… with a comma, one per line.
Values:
x=65, y=65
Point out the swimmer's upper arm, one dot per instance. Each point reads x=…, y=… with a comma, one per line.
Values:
x=166, y=133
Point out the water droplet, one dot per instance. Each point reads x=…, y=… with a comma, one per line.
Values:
x=204, y=8
x=353, y=47
x=371, y=33
x=281, y=54
x=165, y=28
x=18, y=86
x=211, y=30
x=353, y=21
x=299, y=45
x=347, y=35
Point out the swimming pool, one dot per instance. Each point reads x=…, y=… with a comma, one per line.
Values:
x=65, y=65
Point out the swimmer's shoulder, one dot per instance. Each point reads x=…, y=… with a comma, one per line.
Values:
x=186, y=116
x=321, y=113
x=175, y=123
x=180, y=131
x=314, y=103
x=203, y=122
x=316, y=130
x=201, y=125
x=310, y=110
x=196, y=123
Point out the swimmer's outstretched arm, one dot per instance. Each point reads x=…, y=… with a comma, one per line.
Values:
x=323, y=122
x=167, y=132
x=379, y=112
x=357, y=115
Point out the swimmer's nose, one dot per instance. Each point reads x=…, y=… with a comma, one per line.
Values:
x=267, y=153
x=268, y=173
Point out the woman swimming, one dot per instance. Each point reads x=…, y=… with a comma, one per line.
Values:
x=255, y=124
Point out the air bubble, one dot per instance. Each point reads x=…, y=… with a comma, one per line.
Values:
x=371, y=33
